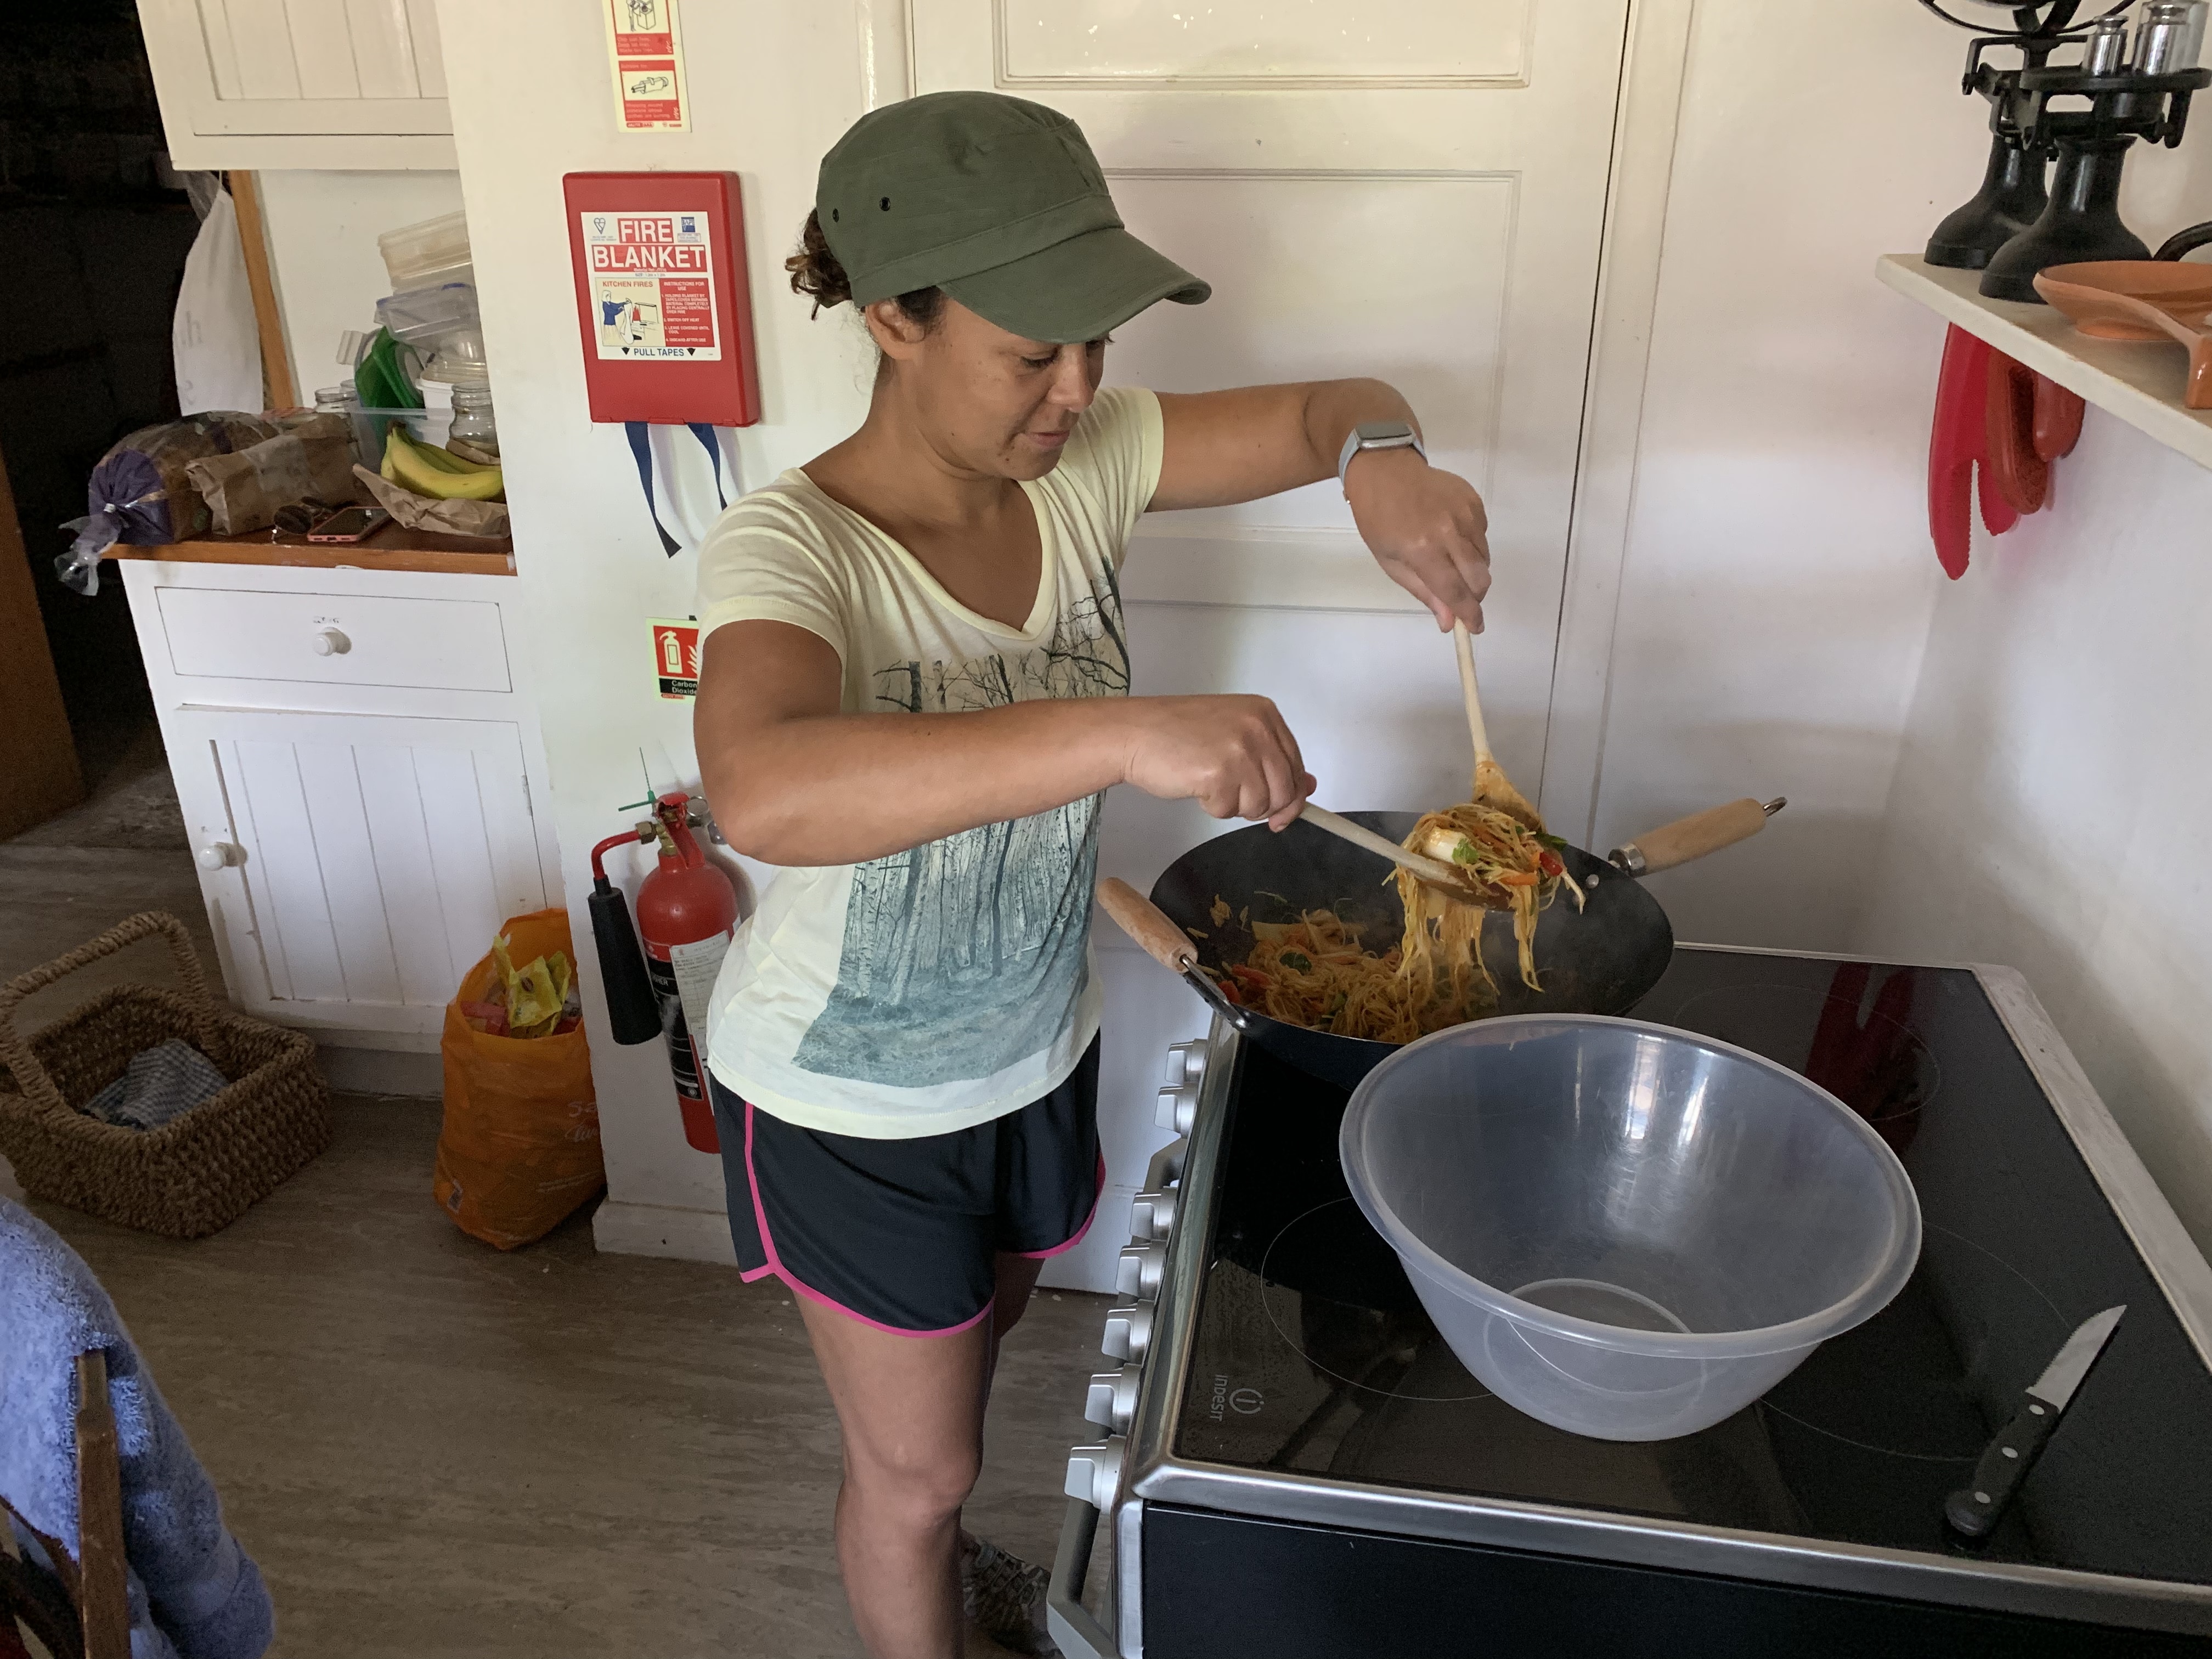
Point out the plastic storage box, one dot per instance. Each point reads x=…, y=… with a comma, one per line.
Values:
x=427, y=253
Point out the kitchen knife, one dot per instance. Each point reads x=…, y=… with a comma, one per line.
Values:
x=1976, y=1509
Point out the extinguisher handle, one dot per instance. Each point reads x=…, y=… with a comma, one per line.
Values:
x=600, y=852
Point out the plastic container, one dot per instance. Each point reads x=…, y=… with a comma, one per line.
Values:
x=428, y=426
x=427, y=253
x=439, y=327
x=420, y=314
x=1625, y=1230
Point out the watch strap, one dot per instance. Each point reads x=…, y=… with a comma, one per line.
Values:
x=1378, y=434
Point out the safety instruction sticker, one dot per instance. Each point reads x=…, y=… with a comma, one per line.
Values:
x=652, y=286
x=694, y=967
x=646, y=50
x=676, y=657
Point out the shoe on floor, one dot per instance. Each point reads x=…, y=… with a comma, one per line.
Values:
x=1003, y=1596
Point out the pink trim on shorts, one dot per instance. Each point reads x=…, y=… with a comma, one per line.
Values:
x=1076, y=1238
x=775, y=1263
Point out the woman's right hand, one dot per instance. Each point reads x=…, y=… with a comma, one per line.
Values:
x=1232, y=755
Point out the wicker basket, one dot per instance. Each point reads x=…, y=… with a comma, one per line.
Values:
x=195, y=1173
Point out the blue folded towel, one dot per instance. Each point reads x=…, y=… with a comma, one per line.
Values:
x=163, y=1082
x=203, y=1596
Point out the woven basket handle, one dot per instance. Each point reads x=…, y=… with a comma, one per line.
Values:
x=15, y=1052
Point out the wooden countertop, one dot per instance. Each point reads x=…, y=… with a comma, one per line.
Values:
x=390, y=548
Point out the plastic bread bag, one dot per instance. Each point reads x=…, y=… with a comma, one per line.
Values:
x=139, y=494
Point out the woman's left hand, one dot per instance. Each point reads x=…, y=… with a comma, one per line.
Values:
x=1426, y=528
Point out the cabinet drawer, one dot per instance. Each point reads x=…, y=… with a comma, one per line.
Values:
x=335, y=639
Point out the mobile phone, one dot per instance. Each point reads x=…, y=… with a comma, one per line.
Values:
x=348, y=524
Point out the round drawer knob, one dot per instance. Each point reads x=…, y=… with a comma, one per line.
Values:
x=328, y=642
x=221, y=855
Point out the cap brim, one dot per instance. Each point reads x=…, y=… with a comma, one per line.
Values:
x=1082, y=289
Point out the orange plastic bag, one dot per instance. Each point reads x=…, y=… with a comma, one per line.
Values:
x=520, y=1148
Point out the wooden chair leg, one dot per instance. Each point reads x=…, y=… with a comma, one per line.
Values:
x=103, y=1590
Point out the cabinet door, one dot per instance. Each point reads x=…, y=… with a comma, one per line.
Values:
x=372, y=858
x=301, y=83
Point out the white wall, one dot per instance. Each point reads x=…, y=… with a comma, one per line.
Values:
x=1776, y=581
x=322, y=229
x=774, y=86
x=2051, y=808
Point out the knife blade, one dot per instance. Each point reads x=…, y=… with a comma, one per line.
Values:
x=1975, y=1508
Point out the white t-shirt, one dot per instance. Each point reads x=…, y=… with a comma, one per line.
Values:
x=945, y=986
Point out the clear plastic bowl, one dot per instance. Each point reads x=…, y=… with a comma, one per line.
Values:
x=1625, y=1230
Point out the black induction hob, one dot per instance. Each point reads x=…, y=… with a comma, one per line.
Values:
x=1308, y=1384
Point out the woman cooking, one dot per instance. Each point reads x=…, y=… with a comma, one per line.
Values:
x=904, y=1048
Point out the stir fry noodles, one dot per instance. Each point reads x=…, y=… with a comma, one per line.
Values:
x=1317, y=972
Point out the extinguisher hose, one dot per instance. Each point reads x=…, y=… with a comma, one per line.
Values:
x=633, y=1010
x=627, y=838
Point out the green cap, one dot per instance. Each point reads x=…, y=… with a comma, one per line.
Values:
x=1000, y=202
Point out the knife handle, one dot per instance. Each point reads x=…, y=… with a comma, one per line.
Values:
x=1976, y=1509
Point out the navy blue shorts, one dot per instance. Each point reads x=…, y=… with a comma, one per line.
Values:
x=903, y=1235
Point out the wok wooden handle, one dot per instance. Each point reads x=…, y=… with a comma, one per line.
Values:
x=1147, y=924
x=1696, y=835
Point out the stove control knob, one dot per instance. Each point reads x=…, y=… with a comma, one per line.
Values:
x=1140, y=1271
x=1094, y=1472
x=1152, y=1215
x=1112, y=1401
x=1129, y=1332
x=1186, y=1064
x=1186, y=1072
x=1166, y=1168
x=1178, y=1109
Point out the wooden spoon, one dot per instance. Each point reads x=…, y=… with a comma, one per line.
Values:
x=1492, y=788
x=1437, y=874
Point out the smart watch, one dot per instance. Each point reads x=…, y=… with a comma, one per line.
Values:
x=1378, y=435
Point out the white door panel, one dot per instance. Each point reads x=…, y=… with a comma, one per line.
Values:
x=273, y=83
x=1047, y=45
x=1292, y=256
x=379, y=856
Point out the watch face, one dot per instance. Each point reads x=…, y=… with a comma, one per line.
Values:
x=1383, y=432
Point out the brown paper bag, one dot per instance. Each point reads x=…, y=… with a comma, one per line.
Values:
x=420, y=512
x=310, y=462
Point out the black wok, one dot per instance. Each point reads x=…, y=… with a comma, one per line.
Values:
x=1597, y=961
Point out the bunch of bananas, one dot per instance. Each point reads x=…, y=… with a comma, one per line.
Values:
x=439, y=473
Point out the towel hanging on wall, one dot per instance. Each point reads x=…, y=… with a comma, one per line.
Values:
x=689, y=474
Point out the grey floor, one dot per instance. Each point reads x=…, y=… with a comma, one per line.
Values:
x=436, y=1450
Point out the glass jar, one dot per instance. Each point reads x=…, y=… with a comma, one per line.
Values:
x=473, y=419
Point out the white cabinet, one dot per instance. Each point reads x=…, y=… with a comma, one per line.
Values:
x=300, y=84
x=363, y=817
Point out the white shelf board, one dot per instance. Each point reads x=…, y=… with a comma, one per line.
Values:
x=2141, y=382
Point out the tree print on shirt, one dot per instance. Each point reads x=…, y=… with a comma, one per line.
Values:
x=965, y=954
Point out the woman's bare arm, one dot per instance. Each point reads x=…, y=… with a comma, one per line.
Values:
x=1426, y=527
x=794, y=781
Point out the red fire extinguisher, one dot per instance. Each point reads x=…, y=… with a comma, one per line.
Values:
x=686, y=913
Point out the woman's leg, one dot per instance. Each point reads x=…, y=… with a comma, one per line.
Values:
x=1017, y=1279
x=911, y=1411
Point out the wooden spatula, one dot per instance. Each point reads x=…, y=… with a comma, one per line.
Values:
x=1440, y=874
x=1492, y=788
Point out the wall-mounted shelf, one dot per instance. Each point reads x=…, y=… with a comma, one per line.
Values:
x=390, y=548
x=2141, y=382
